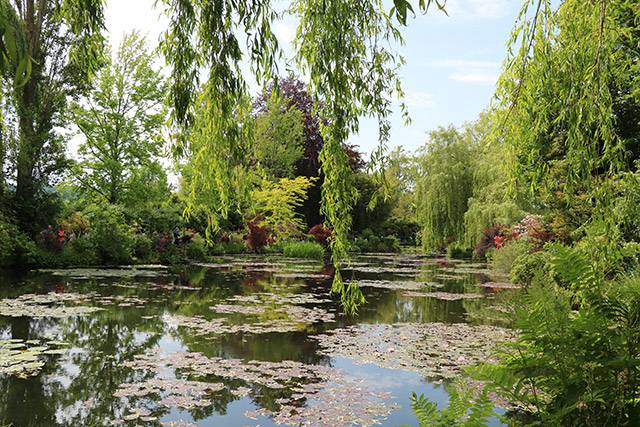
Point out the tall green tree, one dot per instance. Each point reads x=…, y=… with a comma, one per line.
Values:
x=279, y=138
x=445, y=186
x=121, y=121
x=570, y=101
x=50, y=50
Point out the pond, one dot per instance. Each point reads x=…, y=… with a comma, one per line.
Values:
x=245, y=341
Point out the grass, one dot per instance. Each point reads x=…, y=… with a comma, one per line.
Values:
x=308, y=250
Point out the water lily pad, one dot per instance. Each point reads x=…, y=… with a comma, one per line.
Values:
x=322, y=395
x=499, y=285
x=436, y=350
x=122, y=272
x=397, y=284
x=445, y=296
x=21, y=359
x=45, y=305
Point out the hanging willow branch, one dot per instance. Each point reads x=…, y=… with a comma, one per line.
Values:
x=556, y=95
x=344, y=46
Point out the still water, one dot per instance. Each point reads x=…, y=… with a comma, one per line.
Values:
x=245, y=341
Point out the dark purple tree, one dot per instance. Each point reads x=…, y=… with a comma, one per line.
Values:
x=297, y=95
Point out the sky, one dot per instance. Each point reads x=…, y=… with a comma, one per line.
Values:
x=452, y=61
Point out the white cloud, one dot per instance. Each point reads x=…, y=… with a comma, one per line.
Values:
x=482, y=77
x=470, y=71
x=284, y=33
x=123, y=16
x=417, y=99
x=463, y=63
x=487, y=9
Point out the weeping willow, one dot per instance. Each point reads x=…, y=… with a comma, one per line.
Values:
x=494, y=201
x=568, y=81
x=444, y=187
x=344, y=48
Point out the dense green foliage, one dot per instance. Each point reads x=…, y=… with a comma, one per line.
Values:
x=279, y=138
x=308, y=250
x=120, y=122
x=444, y=187
x=574, y=367
x=50, y=48
x=466, y=408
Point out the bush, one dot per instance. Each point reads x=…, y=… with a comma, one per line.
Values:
x=229, y=243
x=231, y=247
x=308, y=250
x=457, y=251
x=573, y=367
x=502, y=259
x=16, y=249
x=196, y=249
x=370, y=242
x=321, y=234
x=532, y=268
x=80, y=251
x=258, y=234
x=406, y=231
x=110, y=234
x=143, y=248
x=487, y=240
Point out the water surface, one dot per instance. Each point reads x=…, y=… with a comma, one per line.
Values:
x=236, y=343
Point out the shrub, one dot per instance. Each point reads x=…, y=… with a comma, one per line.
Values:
x=16, y=249
x=143, y=248
x=532, y=268
x=308, y=250
x=231, y=247
x=258, y=234
x=110, y=234
x=405, y=231
x=80, y=251
x=487, y=240
x=171, y=254
x=502, y=259
x=321, y=234
x=196, y=248
x=573, y=366
x=457, y=251
x=370, y=242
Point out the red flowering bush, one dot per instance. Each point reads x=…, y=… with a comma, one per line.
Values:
x=258, y=235
x=321, y=234
x=488, y=239
x=534, y=229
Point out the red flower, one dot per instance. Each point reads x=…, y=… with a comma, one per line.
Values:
x=498, y=241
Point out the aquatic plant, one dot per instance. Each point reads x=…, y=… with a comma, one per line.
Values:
x=435, y=350
x=308, y=250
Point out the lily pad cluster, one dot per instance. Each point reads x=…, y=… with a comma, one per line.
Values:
x=46, y=305
x=101, y=273
x=338, y=403
x=398, y=284
x=445, y=296
x=276, y=299
x=499, y=285
x=315, y=395
x=176, y=393
x=24, y=359
x=290, y=318
x=435, y=350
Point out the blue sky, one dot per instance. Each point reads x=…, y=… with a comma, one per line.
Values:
x=452, y=61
